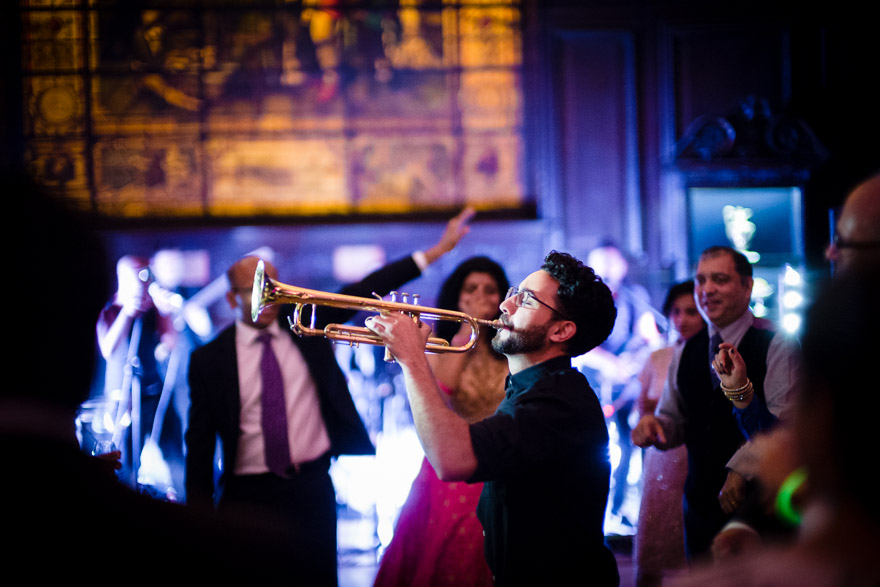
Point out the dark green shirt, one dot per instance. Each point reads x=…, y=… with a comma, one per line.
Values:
x=543, y=457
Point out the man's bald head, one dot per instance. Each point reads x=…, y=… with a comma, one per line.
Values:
x=241, y=286
x=857, y=239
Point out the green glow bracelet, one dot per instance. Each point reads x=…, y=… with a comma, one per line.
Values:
x=784, y=509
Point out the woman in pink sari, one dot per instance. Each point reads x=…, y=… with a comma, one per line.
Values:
x=438, y=540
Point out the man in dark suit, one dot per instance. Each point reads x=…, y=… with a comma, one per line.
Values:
x=227, y=385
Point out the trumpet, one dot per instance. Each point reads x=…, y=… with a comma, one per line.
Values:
x=268, y=291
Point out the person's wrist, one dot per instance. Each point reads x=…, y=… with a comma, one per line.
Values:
x=742, y=394
x=421, y=260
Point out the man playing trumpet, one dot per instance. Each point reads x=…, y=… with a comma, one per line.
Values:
x=543, y=455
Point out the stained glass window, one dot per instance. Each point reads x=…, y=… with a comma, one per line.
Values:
x=235, y=108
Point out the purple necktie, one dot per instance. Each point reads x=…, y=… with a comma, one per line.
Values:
x=274, y=418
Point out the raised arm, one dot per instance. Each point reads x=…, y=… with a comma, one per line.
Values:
x=394, y=274
x=455, y=230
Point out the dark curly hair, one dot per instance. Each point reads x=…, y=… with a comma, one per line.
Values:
x=676, y=291
x=584, y=299
x=450, y=291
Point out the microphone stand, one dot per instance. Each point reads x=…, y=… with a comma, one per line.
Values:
x=131, y=400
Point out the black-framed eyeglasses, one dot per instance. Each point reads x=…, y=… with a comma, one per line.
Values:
x=842, y=243
x=524, y=298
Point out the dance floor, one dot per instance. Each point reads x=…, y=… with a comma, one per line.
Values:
x=359, y=552
x=370, y=509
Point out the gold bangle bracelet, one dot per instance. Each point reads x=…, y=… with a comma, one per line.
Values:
x=741, y=391
x=742, y=394
x=740, y=398
x=738, y=389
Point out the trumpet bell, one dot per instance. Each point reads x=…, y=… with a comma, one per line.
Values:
x=257, y=293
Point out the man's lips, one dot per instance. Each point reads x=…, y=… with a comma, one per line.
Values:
x=710, y=303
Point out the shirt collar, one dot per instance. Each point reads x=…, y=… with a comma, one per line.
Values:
x=526, y=378
x=248, y=334
x=734, y=332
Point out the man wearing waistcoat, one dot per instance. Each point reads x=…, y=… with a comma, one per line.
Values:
x=715, y=417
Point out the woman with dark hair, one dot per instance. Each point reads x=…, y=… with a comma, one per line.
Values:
x=438, y=539
x=659, y=541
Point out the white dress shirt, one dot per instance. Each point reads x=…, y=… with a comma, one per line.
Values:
x=307, y=434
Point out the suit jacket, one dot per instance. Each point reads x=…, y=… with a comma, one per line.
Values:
x=215, y=407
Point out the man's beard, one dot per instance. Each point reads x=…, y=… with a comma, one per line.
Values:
x=521, y=341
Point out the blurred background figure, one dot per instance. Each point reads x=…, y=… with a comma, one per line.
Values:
x=438, y=539
x=659, y=541
x=612, y=367
x=839, y=525
x=692, y=409
x=145, y=339
x=856, y=239
x=70, y=519
x=854, y=249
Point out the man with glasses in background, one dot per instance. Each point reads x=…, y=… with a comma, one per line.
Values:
x=857, y=233
x=543, y=455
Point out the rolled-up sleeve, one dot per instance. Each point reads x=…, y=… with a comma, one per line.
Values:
x=670, y=409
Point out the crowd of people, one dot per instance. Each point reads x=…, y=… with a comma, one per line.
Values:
x=752, y=468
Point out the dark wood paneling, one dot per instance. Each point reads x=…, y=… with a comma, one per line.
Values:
x=716, y=66
x=597, y=134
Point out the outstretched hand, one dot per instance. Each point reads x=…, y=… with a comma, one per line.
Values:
x=455, y=230
x=648, y=432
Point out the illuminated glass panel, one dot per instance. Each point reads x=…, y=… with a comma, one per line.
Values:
x=241, y=108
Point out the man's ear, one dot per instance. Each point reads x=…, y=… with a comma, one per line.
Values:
x=562, y=330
